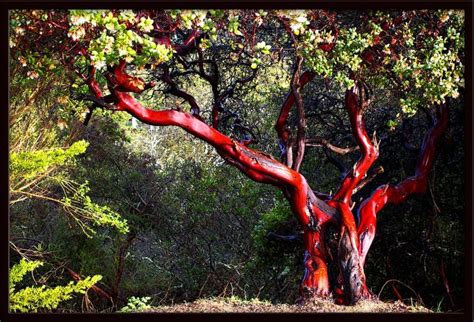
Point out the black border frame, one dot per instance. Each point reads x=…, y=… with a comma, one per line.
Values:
x=466, y=5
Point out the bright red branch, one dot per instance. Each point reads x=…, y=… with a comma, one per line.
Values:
x=369, y=152
x=259, y=167
x=396, y=194
x=312, y=212
x=91, y=82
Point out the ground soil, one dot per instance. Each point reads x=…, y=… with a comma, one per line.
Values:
x=255, y=306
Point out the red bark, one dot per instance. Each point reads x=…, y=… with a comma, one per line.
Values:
x=352, y=273
x=396, y=194
x=369, y=152
x=127, y=83
x=315, y=279
x=315, y=211
x=311, y=211
x=280, y=126
x=92, y=83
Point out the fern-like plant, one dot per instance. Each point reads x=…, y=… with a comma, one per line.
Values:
x=34, y=298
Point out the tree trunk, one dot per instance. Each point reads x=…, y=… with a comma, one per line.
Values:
x=315, y=280
x=351, y=285
x=352, y=271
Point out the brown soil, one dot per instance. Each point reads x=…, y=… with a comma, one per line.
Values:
x=230, y=305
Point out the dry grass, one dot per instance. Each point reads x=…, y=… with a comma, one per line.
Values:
x=233, y=305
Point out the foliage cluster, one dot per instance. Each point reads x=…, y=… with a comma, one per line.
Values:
x=44, y=298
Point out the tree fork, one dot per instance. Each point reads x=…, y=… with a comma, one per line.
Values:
x=280, y=126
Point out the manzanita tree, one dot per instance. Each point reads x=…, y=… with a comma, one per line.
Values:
x=117, y=57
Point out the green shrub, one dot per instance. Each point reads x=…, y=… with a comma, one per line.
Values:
x=34, y=298
x=136, y=304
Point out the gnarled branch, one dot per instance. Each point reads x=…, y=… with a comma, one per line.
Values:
x=280, y=126
x=356, y=103
x=301, y=132
x=396, y=194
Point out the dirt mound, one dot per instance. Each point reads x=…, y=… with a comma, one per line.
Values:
x=232, y=305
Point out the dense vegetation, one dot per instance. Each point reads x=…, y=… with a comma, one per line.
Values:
x=126, y=215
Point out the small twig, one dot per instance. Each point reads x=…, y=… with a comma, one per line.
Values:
x=445, y=282
x=395, y=280
x=318, y=141
x=430, y=187
x=371, y=177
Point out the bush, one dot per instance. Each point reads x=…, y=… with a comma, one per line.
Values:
x=34, y=298
x=136, y=304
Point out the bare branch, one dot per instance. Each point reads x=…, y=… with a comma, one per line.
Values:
x=291, y=238
x=195, y=109
x=321, y=142
x=368, y=179
x=336, y=162
x=300, y=134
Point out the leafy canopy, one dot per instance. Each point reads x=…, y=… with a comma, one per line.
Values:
x=419, y=53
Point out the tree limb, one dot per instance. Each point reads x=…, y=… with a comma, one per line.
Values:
x=356, y=103
x=195, y=109
x=301, y=132
x=280, y=126
x=396, y=194
x=291, y=238
x=319, y=141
